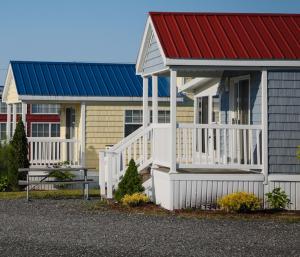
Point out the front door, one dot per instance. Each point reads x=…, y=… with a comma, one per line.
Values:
x=240, y=101
x=70, y=131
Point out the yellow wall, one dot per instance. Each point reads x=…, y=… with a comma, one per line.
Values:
x=12, y=94
x=105, y=125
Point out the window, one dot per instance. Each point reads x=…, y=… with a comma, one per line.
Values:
x=45, y=108
x=3, y=107
x=45, y=130
x=215, y=109
x=163, y=116
x=19, y=108
x=133, y=120
x=2, y=131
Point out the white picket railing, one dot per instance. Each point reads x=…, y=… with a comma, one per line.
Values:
x=50, y=151
x=114, y=162
x=198, y=146
x=219, y=146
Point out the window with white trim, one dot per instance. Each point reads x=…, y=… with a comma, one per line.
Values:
x=163, y=116
x=45, y=130
x=3, y=107
x=133, y=120
x=2, y=131
x=19, y=108
x=45, y=108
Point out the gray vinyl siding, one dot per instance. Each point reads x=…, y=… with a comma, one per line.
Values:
x=283, y=121
x=153, y=59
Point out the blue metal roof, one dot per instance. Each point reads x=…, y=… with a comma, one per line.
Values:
x=81, y=79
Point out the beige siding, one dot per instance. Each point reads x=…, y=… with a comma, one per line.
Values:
x=12, y=94
x=105, y=125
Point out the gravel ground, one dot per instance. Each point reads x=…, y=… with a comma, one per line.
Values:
x=65, y=228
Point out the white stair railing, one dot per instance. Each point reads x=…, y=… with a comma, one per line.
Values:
x=114, y=162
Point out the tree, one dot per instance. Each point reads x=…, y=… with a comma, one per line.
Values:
x=131, y=182
x=19, y=158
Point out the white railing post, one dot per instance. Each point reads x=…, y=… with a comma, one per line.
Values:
x=109, y=171
x=102, y=172
x=173, y=98
x=264, y=118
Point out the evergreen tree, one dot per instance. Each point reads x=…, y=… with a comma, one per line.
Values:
x=131, y=182
x=19, y=158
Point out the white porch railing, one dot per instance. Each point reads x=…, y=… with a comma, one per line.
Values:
x=219, y=146
x=49, y=151
x=198, y=146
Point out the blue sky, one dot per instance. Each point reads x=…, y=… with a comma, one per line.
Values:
x=96, y=30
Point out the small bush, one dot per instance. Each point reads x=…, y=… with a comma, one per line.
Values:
x=64, y=176
x=131, y=182
x=278, y=199
x=136, y=199
x=3, y=184
x=240, y=202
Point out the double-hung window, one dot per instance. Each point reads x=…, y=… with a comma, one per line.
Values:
x=2, y=131
x=45, y=108
x=45, y=130
x=133, y=120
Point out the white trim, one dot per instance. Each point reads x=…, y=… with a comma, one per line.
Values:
x=173, y=134
x=154, y=99
x=264, y=118
x=145, y=102
x=8, y=122
x=83, y=124
x=245, y=63
x=284, y=177
x=196, y=83
x=89, y=98
x=219, y=177
x=14, y=118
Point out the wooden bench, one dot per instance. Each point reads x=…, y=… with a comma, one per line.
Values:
x=47, y=171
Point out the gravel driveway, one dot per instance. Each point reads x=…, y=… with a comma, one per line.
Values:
x=65, y=228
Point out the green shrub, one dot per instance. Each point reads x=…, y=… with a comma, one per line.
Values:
x=131, y=182
x=62, y=175
x=240, y=202
x=19, y=159
x=3, y=184
x=136, y=199
x=278, y=199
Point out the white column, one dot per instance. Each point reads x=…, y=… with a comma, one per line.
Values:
x=14, y=118
x=154, y=99
x=145, y=102
x=8, y=123
x=173, y=97
x=24, y=113
x=196, y=111
x=82, y=119
x=264, y=118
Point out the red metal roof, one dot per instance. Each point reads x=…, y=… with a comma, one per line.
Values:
x=228, y=35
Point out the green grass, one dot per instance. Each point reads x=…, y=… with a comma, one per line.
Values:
x=54, y=194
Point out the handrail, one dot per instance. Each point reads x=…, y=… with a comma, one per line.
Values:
x=51, y=139
x=218, y=126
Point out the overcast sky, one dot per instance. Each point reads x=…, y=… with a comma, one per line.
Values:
x=96, y=30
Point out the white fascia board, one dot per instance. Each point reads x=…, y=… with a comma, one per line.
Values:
x=149, y=29
x=224, y=63
x=89, y=99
